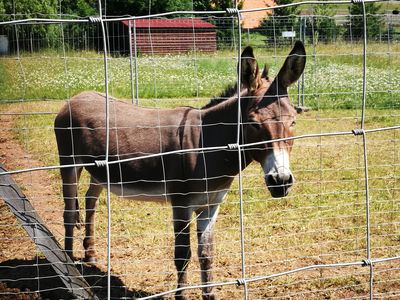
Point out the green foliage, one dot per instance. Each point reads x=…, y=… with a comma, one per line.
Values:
x=25, y=9
x=324, y=26
x=214, y=4
x=125, y=7
x=2, y=9
x=286, y=11
x=141, y=7
x=29, y=8
x=226, y=28
x=355, y=25
x=322, y=22
x=283, y=19
x=174, y=5
x=82, y=8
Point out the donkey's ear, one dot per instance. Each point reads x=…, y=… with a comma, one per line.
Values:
x=250, y=74
x=293, y=66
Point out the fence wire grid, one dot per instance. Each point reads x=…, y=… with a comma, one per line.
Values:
x=335, y=236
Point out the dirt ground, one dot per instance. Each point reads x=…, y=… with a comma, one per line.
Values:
x=23, y=270
x=18, y=259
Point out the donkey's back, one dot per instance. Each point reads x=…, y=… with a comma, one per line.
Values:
x=80, y=126
x=80, y=129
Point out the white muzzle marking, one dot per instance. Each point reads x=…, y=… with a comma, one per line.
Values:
x=278, y=176
x=277, y=162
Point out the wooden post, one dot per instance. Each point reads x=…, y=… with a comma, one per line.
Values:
x=62, y=264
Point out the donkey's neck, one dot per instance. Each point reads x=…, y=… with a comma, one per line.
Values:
x=226, y=112
x=220, y=125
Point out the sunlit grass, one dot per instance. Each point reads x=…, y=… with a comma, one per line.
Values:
x=333, y=76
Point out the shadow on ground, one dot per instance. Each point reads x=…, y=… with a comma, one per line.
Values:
x=21, y=279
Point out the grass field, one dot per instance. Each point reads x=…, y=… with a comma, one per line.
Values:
x=332, y=78
x=322, y=221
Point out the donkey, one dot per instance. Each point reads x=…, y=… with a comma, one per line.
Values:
x=192, y=182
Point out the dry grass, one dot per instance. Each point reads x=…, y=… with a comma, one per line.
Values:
x=322, y=221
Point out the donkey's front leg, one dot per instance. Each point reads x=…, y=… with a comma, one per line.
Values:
x=182, y=216
x=70, y=178
x=205, y=225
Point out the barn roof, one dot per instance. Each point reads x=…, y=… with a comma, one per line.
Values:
x=171, y=23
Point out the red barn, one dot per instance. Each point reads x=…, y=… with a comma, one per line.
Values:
x=173, y=35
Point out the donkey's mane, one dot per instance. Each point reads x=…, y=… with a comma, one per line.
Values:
x=230, y=91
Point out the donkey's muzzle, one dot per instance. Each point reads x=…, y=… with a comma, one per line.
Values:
x=279, y=184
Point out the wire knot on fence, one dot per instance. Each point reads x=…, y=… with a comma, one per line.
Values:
x=358, y=131
x=233, y=146
x=232, y=11
x=93, y=19
x=100, y=163
x=240, y=281
x=366, y=262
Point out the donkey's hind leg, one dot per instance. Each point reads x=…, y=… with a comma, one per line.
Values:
x=70, y=178
x=91, y=197
x=205, y=233
x=182, y=216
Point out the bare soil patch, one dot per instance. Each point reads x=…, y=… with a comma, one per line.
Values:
x=18, y=250
x=36, y=186
x=24, y=273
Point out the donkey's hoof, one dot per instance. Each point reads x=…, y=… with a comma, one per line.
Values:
x=181, y=296
x=209, y=296
x=70, y=255
x=90, y=260
x=74, y=258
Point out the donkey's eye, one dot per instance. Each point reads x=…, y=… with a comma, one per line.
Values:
x=293, y=124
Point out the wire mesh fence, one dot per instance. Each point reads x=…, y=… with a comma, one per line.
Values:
x=336, y=235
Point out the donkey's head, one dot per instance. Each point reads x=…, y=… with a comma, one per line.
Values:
x=271, y=116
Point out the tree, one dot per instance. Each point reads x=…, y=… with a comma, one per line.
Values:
x=82, y=8
x=323, y=26
x=25, y=9
x=282, y=19
x=29, y=8
x=174, y=5
x=355, y=24
x=215, y=4
x=225, y=26
x=144, y=7
x=2, y=9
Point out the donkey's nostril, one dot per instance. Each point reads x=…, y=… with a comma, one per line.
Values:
x=275, y=179
x=279, y=183
x=290, y=180
x=271, y=179
x=285, y=178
